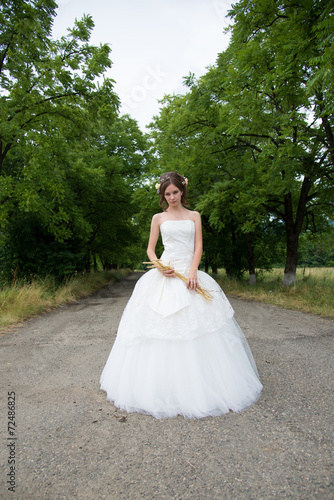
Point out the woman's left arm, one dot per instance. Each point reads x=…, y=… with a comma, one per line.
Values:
x=192, y=282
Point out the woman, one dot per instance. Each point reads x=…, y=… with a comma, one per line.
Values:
x=176, y=353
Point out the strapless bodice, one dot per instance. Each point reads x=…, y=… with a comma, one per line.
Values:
x=166, y=296
x=178, y=237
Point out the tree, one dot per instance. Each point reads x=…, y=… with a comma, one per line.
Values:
x=264, y=138
x=122, y=156
x=47, y=87
x=274, y=48
x=69, y=165
x=188, y=137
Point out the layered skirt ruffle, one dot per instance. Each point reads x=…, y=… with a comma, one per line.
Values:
x=176, y=354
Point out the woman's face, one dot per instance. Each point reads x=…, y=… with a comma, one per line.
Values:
x=173, y=195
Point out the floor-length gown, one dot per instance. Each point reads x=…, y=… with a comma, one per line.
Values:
x=175, y=353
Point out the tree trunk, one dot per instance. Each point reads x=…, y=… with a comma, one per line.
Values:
x=293, y=229
x=106, y=265
x=251, y=258
x=291, y=258
x=329, y=135
x=95, y=262
x=87, y=264
x=326, y=123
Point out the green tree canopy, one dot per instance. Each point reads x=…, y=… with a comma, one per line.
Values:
x=256, y=130
x=69, y=163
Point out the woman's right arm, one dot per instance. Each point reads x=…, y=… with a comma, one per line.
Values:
x=154, y=235
x=152, y=242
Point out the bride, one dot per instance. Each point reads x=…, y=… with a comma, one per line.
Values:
x=176, y=353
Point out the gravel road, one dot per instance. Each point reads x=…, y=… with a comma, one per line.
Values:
x=69, y=442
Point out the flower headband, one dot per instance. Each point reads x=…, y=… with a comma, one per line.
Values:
x=167, y=178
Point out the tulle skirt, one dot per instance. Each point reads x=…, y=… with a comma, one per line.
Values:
x=192, y=361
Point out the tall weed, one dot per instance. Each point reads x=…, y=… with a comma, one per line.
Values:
x=26, y=299
x=313, y=291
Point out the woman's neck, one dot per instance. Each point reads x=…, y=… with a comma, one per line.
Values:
x=176, y=212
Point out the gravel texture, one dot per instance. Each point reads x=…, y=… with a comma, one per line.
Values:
x=72, y=443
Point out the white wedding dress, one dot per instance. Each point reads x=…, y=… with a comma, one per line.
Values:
x=175, y=353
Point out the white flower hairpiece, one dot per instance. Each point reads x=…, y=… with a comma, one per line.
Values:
x=167, y=178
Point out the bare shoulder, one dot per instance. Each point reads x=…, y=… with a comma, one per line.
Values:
x=157, y=219
x=193, y=215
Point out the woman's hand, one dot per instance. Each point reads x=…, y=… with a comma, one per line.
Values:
x=192, y=282
x=169, y=273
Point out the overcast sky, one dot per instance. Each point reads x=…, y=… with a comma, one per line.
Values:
x=155, y=43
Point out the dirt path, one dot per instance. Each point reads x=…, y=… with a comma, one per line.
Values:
x=71, y=443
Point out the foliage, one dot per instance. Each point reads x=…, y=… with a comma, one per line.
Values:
x=254, y=136
x=69, y=164
x=317, y=250
x=31, y=250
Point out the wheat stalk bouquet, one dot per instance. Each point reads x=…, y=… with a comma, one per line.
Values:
x=158, y=264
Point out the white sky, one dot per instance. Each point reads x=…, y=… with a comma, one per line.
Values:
x=155, y=43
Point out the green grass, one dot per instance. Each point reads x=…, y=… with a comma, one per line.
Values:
x=313, y=291
x=25, y=300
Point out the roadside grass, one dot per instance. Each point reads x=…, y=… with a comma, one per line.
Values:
x=313, y=291
x=21, y=301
